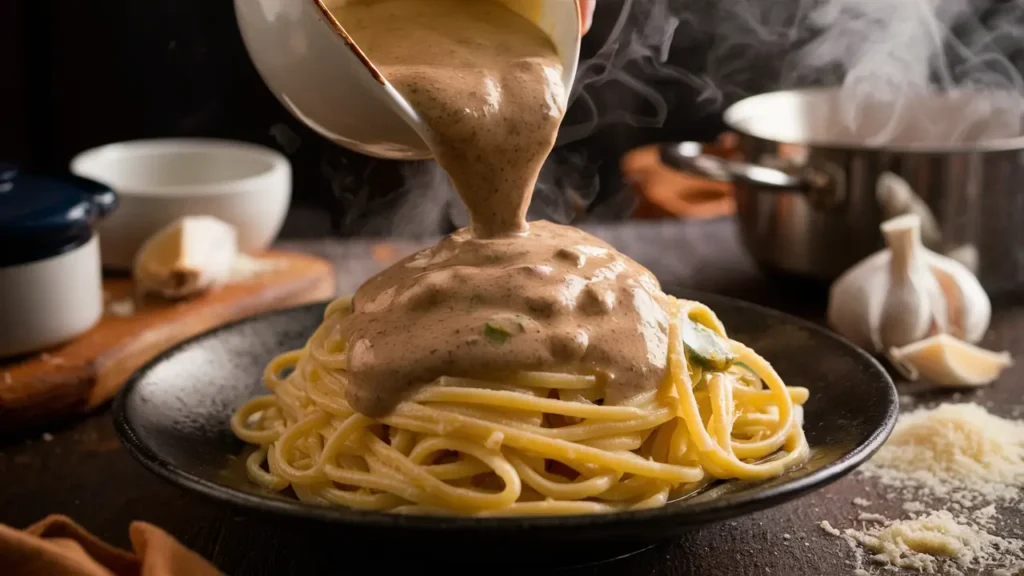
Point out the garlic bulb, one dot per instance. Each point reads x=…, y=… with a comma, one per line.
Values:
x=906, y=293
x=947, y=361
x=187, y=257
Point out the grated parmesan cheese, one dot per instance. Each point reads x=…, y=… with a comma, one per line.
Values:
x=914, y=507
x=959, y=452
x=936, y=543
x=870, y=517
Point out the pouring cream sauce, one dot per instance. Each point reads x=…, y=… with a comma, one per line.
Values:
x=502, y=296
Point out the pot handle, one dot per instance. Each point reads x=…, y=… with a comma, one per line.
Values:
x=821, y=187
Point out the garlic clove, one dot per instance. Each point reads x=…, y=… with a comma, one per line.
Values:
x=187, y=257
x=970, y=309
x=966, y=254
x=914, y=302
x=948, y=361
x=854, y=309
x=906, y=313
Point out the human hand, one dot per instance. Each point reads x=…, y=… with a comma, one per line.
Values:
x=587, y=12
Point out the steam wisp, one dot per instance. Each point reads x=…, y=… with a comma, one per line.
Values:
x=907, y=72
x=887, y=60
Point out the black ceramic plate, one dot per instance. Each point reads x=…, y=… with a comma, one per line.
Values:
x=173, y=417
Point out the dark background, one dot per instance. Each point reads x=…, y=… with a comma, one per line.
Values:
x=83, y=73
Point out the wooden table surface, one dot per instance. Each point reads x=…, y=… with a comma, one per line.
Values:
x=80, y=470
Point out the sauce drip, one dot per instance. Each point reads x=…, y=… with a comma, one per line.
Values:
x=502, y=296
x=486, y=81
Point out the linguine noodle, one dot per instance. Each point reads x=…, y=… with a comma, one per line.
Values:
x=536, y=443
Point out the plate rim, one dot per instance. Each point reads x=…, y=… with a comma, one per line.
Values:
x=700, y=514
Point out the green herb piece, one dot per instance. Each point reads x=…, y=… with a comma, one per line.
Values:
x=706, y=348
x=750, y=377
x=745, y=367
x=496, y=334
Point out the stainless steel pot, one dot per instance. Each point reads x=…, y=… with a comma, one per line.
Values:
x=808, y=195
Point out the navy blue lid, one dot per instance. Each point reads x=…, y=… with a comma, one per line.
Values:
x=43, y=216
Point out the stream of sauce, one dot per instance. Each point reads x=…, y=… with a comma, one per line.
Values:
x=503, y=295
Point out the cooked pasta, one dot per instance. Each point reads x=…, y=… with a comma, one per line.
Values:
x=515, y=368
x=534, y=443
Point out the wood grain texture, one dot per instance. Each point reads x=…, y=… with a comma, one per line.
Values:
x=88, y=371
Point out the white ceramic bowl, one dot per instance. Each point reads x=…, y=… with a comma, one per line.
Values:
x=315, y=69
x=159, y=181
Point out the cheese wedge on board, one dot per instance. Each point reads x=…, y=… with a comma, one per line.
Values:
x=187, y=257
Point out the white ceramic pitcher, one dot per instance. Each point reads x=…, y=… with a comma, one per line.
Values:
x=317, y=71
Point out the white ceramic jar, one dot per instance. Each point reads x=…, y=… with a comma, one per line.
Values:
x=51, y=286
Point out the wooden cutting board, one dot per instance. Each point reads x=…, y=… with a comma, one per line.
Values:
x=83, y=374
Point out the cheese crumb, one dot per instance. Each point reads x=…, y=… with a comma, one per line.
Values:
x=866, y=517
x=936, y=543
x=122, y=308
x=985, y=517
x=246, y=267
x=914, y=507
x=959, y=452
x=827, y=527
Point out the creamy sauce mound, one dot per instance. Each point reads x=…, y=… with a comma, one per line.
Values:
x=504, y=295
x=557, y=299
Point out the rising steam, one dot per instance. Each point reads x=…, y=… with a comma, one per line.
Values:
x=890, y=60
x=883, y=57
x=631, y=73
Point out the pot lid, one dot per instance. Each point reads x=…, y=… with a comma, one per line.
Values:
x=45, y=215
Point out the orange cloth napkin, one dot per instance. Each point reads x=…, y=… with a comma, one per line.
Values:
x=57, y=546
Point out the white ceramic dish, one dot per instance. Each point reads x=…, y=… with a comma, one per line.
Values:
x=315, y=69
x=48, y=302
x=159, y=181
